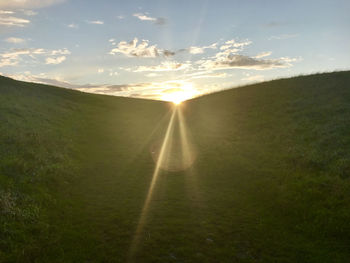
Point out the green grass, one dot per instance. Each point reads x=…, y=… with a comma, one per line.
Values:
x=270, y=182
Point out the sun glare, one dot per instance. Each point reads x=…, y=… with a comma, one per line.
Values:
x=178, y=94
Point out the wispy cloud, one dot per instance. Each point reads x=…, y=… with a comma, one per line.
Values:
x=95, y=22
x=228, y=58
x=6, y=12
x=263, y=54
x=73, y=25
x=283, y=36
x=15, y=40
x=56, y=60
x=28, y=3
x=24, y=55
x=244, y=62
x=201, y=50
x=146, y=17
x=7, y=19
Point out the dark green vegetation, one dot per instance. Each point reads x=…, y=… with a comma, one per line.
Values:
x=270, y=182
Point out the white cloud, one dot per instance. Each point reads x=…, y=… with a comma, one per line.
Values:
x=135, y=48
x=132, y=49
x=6, y=12
x=7, y=62
x=28, y=3
x=95, y=22
x=72, y=25
x=6, y=20
x=56, y=60
x=120, y=17
x=234, y=44
x=228, y=58
x=32, y=55
x=263, y=54
x=155, y=20
x=152, y=75
x=63, y=51
x=200, y=50
x=15, y=40
x=144, y=17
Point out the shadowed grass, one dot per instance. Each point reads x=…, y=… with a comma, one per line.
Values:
x=270, y=182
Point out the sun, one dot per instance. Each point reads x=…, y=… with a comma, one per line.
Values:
x=179, y=92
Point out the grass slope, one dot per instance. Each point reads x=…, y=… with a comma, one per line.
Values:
x=270, y=182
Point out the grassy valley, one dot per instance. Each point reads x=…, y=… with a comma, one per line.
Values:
x=269, y=180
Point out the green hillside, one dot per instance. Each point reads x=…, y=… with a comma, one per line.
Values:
x=268, y=179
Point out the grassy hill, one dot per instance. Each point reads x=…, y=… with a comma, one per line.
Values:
x=269, y=180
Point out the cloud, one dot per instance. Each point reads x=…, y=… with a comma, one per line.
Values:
x=168, y=53
x=132, y=49
x=15, y=40
x=28, y=3
x=57, y=60
x=72, y=25
x=164, y=66
x=7, y=20
x=156, y=20
x=228, y=57
x=244, y=62
x=95, y=22
x=152, y=75
x=200, y=50
x=235, y=45
x=4, y=62
x=144, y=17
x=63, y=51
x=263, y=54
x=283, y=36
x=6, y=12
x=32, y=55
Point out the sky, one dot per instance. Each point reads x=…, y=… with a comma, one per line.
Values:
x=170, y=50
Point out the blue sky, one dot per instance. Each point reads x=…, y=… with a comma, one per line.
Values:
x=160, y=49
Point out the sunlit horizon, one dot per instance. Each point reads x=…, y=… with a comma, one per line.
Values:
x=168, y=50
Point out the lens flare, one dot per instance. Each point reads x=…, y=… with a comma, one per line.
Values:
x=174, y=153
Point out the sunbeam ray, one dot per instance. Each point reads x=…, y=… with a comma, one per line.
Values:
x=144, y=211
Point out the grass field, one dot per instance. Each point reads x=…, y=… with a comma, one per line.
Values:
x=267, y=178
